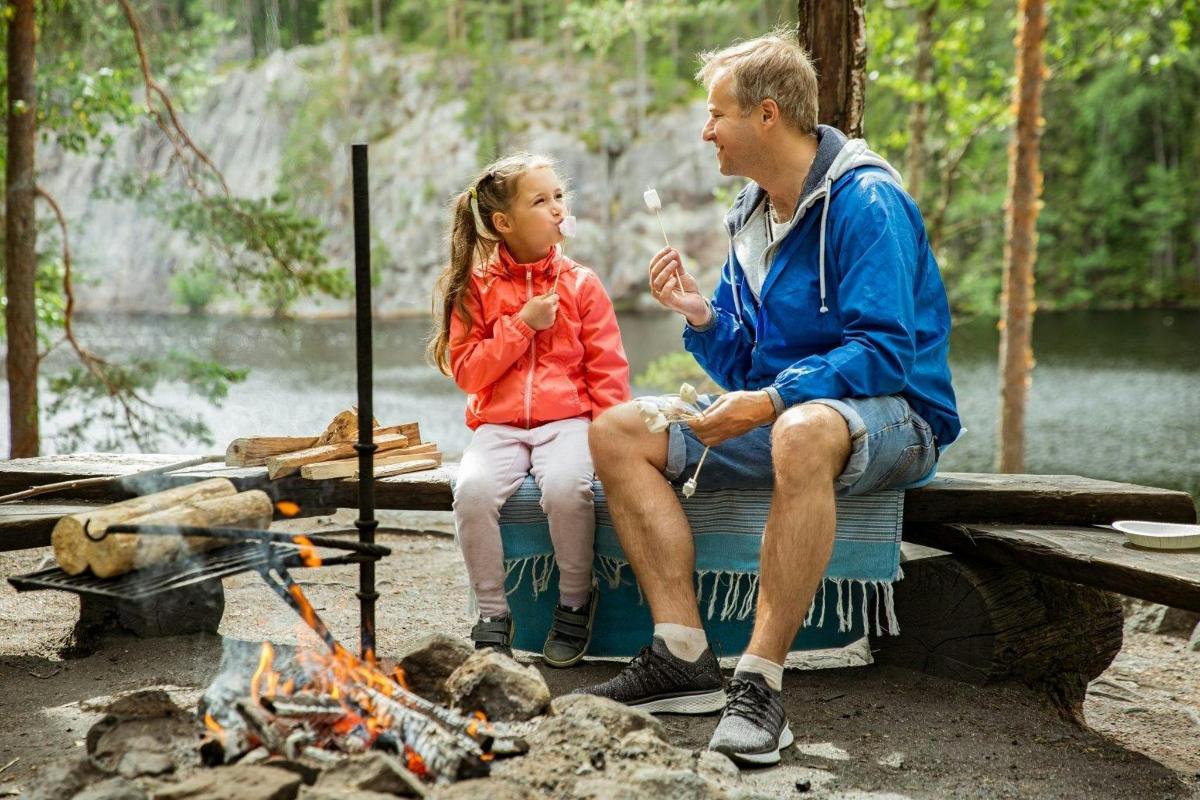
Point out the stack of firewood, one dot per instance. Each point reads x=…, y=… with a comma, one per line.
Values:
x=82, y=541
x=399, y=450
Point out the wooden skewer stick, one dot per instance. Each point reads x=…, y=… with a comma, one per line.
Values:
x=79, y=482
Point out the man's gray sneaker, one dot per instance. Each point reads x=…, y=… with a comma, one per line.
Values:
x=753, y=728
x=660, y=683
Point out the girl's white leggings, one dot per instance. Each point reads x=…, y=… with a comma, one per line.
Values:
x=493, y=467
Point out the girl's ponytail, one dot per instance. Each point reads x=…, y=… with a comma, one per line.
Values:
x=451, y=288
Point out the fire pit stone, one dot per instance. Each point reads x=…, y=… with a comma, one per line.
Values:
x=258, y=782
x=431, y=661
x=499, y=687
x=361, y=775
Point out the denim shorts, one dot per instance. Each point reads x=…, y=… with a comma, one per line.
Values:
x=890, y=447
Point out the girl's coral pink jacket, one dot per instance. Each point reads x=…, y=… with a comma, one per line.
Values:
x=522, y=377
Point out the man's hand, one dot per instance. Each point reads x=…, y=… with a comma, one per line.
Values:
x=675, y=289
x=733, y=414
x=539, y=312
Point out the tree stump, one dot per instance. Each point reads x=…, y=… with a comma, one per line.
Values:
x=980, y=623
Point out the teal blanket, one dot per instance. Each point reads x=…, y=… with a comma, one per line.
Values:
x=727, y=524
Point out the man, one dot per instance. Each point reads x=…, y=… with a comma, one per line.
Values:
x=830, y=328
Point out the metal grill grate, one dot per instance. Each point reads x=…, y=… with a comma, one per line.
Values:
x=144, y=583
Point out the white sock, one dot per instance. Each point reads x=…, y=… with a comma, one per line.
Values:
x=683, y=642
x=768, y=669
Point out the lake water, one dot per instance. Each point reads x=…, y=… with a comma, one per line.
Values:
x=1115, y=395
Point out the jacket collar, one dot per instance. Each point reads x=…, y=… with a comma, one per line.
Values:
x=502, y=264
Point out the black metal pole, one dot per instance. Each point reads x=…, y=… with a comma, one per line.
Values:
x=366, y=522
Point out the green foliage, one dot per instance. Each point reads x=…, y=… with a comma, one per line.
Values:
x=196, y=288
x=108, y=407
x=664, y=374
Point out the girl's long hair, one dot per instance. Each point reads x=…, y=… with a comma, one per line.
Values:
x=494, y=188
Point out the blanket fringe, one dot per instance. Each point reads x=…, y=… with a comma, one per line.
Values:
x=726, y=594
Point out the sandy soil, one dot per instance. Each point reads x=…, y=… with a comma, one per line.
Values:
x=861, y=730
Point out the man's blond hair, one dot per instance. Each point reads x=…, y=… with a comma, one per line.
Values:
x=774, y=66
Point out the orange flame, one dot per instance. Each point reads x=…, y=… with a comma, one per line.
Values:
x=265, y=659
x=287, y=508
x=415, y=764
x=214, y=727
x=308, y=555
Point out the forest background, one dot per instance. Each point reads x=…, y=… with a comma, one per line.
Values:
x=1120, y=152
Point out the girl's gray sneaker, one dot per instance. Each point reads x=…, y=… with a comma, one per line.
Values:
x=570, y=632
x=754, y=727
x=494, y=633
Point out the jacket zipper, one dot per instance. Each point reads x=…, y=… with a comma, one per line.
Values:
x=532, y=356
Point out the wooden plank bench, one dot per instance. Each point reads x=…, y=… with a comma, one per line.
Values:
x=1027, y=579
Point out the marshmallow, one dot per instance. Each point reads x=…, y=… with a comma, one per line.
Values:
x=652, y=201
x=567, y=226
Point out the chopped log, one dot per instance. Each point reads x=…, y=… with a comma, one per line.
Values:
x=346, y=467
x=70, y=542
x=289, y=463
x=119, y=553
x=403, y=469
x=342, y=428
x=980, y=624
x=255, y=450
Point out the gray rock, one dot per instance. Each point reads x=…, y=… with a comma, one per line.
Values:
x=431, y=662
x=112, y=789
x=604, y=789
x=234, y=783
x=1164, y=620
x=499, y=687
x=64, y=778
x=616, y=718
x=678, y=784
x=715, y=766
x=136, y=763
x=1194, y=642
x=484, y=789
x=371, y=772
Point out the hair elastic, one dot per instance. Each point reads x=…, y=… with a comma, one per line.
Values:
x=480, y=230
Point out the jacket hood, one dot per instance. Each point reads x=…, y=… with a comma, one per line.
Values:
x=836, y=155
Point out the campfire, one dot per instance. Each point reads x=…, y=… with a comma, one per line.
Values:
x=320, y=707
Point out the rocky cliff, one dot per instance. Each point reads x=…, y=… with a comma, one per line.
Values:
x=286, y=122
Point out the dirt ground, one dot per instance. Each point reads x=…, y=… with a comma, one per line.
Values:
x=862, y=731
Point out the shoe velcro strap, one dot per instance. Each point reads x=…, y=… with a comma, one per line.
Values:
x=572, y=617
x=564, y=629
x=490, y=637
x=494, y=632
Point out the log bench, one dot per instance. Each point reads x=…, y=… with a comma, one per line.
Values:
x=1018, y=585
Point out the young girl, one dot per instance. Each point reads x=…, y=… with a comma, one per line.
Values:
x=532, y=338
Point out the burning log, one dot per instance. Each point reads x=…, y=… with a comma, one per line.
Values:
x=70, y=541
x=347, y=467
x=119, y=553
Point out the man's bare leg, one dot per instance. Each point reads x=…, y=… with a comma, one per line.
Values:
x=650, y=523
x=810, y=445
x=678, y=672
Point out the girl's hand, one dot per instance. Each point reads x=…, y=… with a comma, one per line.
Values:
x=540, y=311
x=674, y=288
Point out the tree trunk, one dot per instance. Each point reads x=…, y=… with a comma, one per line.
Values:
x=20, y=231
x=919, y=116
x=376, y=17
x=1020, y=250
x=834, y=32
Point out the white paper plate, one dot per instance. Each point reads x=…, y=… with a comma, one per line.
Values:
x=1160, y=535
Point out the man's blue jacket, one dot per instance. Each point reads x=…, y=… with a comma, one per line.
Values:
x=852, y=304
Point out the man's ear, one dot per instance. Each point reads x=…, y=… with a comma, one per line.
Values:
x=501, y=222
x=768, y=112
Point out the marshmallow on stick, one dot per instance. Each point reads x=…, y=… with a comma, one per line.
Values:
x=566, y=227
x=654, y=203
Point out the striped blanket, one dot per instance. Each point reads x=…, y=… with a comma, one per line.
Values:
x=727, y=524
